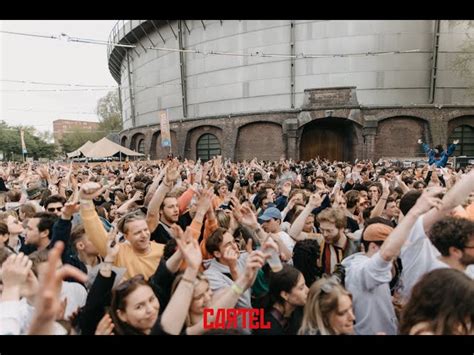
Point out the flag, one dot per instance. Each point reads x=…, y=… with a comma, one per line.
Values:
x=23, y=146
x=165, y=129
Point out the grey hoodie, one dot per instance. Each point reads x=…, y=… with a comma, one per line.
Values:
x=215, y=273
x=368, y=279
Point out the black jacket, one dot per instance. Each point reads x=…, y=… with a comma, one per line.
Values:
x=62, y=232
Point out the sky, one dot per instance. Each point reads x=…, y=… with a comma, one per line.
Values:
x=34, y=59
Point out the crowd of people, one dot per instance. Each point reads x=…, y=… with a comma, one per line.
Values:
x=158, y=247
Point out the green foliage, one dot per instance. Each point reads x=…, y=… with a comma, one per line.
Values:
x=77, y=137
x=36, y=146
x=109, y=111
x=463, y=63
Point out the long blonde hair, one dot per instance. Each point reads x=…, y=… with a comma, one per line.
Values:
x=323, y=299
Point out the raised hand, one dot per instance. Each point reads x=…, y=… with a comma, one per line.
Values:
x=255, y=262
x=427, y=201
x=177, y=232
x=385, y=186
x=231, y=256
x=14, y=275
x=138, y=196
x=286, y=188
x=113, y=245
x=420, y=141
x=235, y=202
x=90, y=190
x=190, y=249
x=315, y=200
x=205, y=200
x=172, y=173
x=246, y=217
x=105, y=326
x=456, y=141
x=69, y=209
x=48, y=302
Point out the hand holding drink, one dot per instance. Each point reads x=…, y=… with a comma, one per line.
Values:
x=270, y=247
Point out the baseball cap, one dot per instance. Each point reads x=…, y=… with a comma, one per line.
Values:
x=269, y=213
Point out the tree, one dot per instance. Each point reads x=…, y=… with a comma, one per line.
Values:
x=77, y=137
x=109, y=111
x=463, y=63
x=35, y=145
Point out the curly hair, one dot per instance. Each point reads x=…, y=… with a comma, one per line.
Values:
x=451, y=232
x=443, y=301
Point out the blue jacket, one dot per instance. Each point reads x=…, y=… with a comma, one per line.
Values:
x=443, y=157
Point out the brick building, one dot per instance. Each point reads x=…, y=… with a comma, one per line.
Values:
x=63, y=126
x=316, y=98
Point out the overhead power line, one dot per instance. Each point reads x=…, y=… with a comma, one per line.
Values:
x=53, y=111
x=262, y=54
x=56, y=84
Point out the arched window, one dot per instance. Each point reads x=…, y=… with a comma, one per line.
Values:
x=465, y=134
x=208, y=146
x=141, y=146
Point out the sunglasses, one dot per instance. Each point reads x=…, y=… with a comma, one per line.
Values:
x=52, y=209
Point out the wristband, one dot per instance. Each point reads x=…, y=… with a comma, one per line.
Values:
x=237, y=289
x=86, y=202
x=187, y=280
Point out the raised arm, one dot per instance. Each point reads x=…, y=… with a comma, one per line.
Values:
x=153, y=213
x=452, y=148
x=453, y=198
x=246, y=218
x=93, y=226
x=402, y=184
x=62, y=229
x=48, y=301
x=296, y=230
x=393, y=244
x=380, y=206
x=177, y=309
x=426, y=147
x=124, y=208
x=154, y=186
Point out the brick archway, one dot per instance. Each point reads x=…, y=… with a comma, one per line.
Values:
x=332, y=138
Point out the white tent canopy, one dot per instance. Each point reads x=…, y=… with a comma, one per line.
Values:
x=81, y=150
x=105, y=148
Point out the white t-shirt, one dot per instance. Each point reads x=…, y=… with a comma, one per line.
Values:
x=15, y=317
x=289, y=243
x=419, y=256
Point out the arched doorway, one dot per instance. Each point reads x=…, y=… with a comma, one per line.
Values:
x=465, y=135
x=207, y=147
x=330, y=138
x=141, y=146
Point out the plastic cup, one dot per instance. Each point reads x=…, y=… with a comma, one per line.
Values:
x=274, y=260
